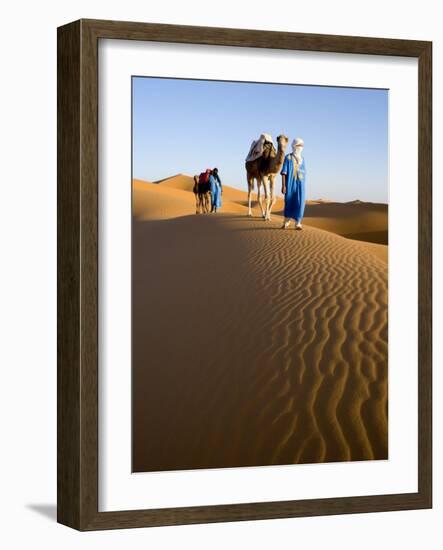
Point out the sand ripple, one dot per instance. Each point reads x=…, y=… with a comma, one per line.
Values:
x=256, y=346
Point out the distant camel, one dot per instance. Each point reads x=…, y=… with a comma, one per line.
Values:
x=264, y=170
x=201, y=192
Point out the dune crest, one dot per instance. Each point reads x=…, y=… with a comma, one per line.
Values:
x=179, y=181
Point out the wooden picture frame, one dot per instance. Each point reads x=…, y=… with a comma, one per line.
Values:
x=77, y=480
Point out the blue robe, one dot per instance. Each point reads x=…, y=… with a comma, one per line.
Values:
x=295, y=188
x=215, y=184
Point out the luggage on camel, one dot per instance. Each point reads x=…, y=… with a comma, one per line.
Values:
x=204, y=177
x=203, y=181
x=259, y=146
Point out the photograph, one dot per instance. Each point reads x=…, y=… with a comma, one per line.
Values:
x=259, y=274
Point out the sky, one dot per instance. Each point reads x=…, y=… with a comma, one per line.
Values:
x=186, y=126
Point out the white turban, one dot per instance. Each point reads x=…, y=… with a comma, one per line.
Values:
x=298, y=142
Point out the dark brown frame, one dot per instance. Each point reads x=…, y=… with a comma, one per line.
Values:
x=77, y=456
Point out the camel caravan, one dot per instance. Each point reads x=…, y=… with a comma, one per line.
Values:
x=263, y=163
x=208, y=191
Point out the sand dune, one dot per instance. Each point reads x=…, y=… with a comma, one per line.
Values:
x=164, y=201
x=359, y=220
x=253, y=345
x=179, y=181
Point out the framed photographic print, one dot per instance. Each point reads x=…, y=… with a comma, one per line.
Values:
x=244, y=274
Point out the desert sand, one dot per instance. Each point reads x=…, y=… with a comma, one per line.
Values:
x=253, y=345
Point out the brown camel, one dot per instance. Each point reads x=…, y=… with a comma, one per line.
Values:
x=264, y=170
x=201, y=193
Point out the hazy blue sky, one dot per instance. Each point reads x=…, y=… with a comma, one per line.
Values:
x=189, y=125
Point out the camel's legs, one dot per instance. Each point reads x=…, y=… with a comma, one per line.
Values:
x=272, y=197
x=266, y=213
x=259, y=198
x=196, y=195
x=250, y=190
x=206, y=202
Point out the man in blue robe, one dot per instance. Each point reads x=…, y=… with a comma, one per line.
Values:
x=293, y=175
x=216, y=190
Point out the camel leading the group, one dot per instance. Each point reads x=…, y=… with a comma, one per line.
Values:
x=264, y=170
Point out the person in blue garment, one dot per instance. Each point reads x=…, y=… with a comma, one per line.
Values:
x=216, y=190
x=293, y=175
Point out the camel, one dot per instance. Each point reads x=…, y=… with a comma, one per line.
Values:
x=264, y=170
x=201, y=197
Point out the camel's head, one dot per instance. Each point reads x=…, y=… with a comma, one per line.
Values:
x=282, y=142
